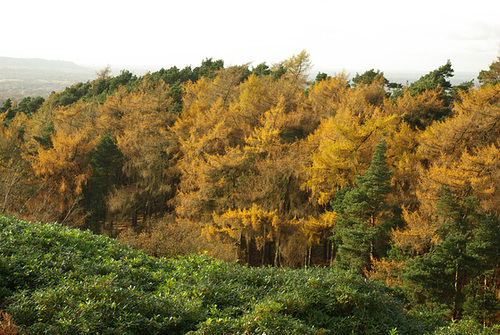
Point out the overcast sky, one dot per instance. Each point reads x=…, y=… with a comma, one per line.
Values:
x=358, y=35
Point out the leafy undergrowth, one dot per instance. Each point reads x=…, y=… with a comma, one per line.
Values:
x=56, y=280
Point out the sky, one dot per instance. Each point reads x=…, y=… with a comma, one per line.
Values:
x=351, y=35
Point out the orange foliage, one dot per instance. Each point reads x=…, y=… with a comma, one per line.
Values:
x=65, y=165
x=7, y=326
x=386, y=271
x=255, y=225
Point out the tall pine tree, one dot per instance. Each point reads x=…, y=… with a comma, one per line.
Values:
x=363, y=215
x=107, y=163
x=459, y=272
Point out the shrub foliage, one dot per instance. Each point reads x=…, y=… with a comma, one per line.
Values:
x=57, y=280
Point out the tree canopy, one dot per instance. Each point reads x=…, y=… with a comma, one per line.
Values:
x=261, y=165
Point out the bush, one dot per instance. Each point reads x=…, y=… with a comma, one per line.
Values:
x=466, y=327
x=56, y=280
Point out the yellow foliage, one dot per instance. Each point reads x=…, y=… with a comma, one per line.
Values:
x=344, y=149
x=298, y=66
x=388, y=271
x=255, y=223
x=420, y=109
x=326, y=97
x=7, y=325
x=460, y=153
x=236, y=150
x=254, y=98
x=65, y=164
x=342, y=145
x=419, y=234
x=265, y=139
x=475, y=123
x=317, y=229
x=475, y=173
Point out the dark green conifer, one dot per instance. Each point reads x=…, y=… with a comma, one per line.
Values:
x=459, y=271
x=107, y=162
x=361, y=213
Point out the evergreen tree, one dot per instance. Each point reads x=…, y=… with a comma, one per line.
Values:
x=7, y=105
x=491, y=76
x=369, y=77
x=434, y=80
x=27, y=105
x=481, y=302
x=363, y=214
x=107, y=162
x=466, y=253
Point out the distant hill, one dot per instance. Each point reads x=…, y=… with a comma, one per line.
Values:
x=22, y=77
x=41, y=64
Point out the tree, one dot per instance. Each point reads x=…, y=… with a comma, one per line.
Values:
x=253, y=228
x=217, y=116
x=491, y=76
x=262, y=70
x=318, y=231
x=321, y=76
x=461, y=154
x=434, y=80
x=343, y=145
x=461, y=270
x=27, y=105
x=14, y=180
x=369, y=77
x=362, y=215
x=338, y=144
x=63, y=165
x=104, y=73
x=297, y=66
x=208, y=68
x=106, y=161
x=239, y=141
x=70, y=95
x=325, y=97
x=139, y=120
x=5, y=109
x=294, y=69
x=6, y=106
x=421, y=110
x=482, y=301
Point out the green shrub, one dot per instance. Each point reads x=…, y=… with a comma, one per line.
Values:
x=466, y=327
x=56, y=280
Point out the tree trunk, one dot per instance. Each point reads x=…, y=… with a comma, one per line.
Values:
x=276, y=252
x=264, y=246
x=134, y=219
x=309, y=256
x=248, y=240
x=332, y=257
x=9, y=189
x=457, y=308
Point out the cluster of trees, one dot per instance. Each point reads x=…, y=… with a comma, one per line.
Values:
x=261, y=166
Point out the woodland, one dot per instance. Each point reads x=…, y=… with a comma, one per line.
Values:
x=261, y=166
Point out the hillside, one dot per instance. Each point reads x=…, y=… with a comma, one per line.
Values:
x=21, y=77
x=262, y=167
x=41, y=64
x=64, y=281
